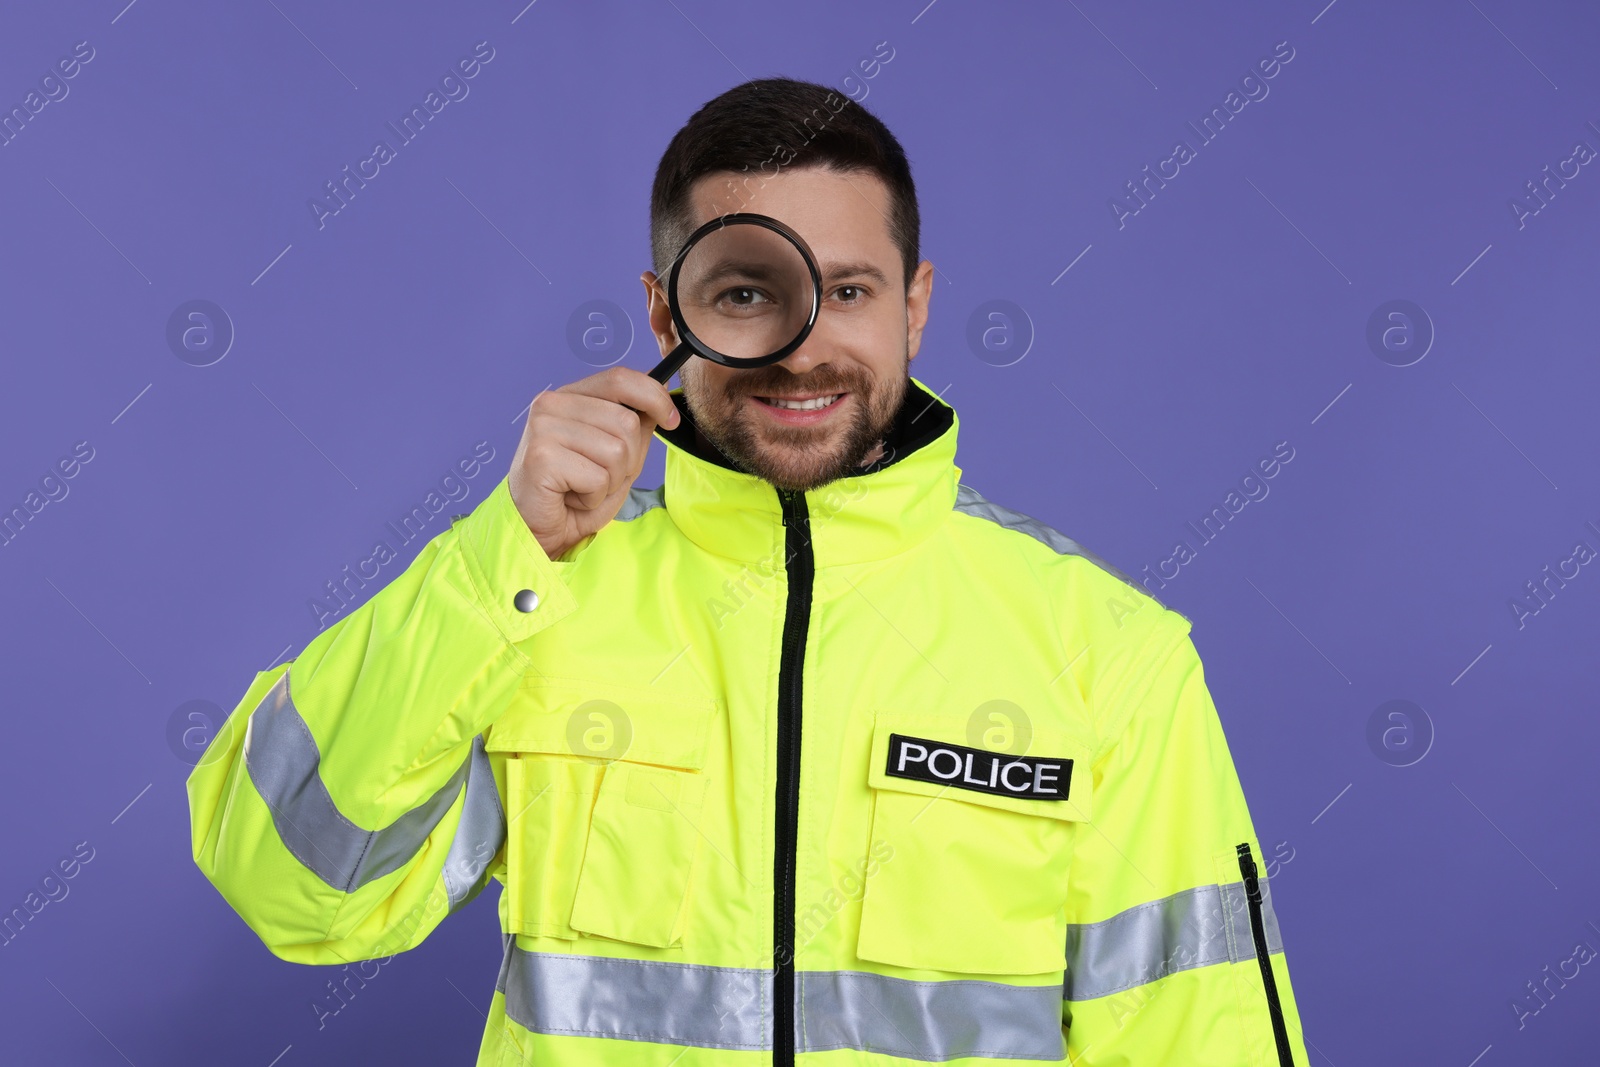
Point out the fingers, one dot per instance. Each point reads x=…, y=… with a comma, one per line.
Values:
x=582, y=446
x=619, y=458
x=635, y=389
x=552, y=409
x=581, y=481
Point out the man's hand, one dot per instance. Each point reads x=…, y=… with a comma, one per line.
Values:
x=581, y=449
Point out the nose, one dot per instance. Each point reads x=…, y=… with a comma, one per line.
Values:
x=813, y=351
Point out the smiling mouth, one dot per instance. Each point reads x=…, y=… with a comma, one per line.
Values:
x=816, y=403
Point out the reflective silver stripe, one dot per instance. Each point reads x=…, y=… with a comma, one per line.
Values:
x=729, y=1007
x=283, y=761
x=971, y=502
x=1195, y=928
x=640, y=501
x=508, y=944
x=930, y=1021
x=638, y=1000
x=479, y=835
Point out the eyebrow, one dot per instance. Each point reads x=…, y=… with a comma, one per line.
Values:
x=730, y=268
x=834, y=271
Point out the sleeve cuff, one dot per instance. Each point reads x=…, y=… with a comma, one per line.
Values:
x=517, y=584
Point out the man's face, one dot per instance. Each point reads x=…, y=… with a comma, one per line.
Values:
x=859, y=351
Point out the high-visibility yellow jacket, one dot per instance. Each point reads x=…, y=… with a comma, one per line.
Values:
x=878, y=773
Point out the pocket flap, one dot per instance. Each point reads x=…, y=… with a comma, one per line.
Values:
x=1046, y=773
x=604, y=721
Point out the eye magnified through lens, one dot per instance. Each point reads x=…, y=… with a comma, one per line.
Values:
x=744, y=292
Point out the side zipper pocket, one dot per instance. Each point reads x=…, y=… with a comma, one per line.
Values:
x=1258, y=933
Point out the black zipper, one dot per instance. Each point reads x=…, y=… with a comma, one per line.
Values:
x=800, y=568
x=1258, y=931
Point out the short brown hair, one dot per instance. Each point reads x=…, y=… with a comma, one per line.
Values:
x=761, y=126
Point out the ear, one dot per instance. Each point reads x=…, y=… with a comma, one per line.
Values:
x=659, y=313
x=917, y=297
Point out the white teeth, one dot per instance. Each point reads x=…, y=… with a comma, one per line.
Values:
x=804, y=405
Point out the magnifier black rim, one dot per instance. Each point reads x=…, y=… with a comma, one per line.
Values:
x=744, y=218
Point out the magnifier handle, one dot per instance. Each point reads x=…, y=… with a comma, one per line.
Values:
x=669, y=366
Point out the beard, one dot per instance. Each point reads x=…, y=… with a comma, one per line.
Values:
x=798, y=458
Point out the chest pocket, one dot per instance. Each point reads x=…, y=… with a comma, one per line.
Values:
x=604, y=787
x=970, y=880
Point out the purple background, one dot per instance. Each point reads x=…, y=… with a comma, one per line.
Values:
x=1230, y=313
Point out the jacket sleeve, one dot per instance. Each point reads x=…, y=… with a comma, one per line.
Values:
x=347, y=805
x=1165, y=943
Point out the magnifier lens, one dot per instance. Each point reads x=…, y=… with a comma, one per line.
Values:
x=745, y=291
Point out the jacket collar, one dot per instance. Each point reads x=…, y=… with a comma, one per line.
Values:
x=883, y=509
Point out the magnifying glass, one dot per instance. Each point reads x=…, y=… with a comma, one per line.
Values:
x=744, y=292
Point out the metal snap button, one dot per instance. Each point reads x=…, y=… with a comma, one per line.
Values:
x=526, y=600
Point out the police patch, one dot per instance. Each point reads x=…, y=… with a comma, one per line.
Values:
x=1000, y=773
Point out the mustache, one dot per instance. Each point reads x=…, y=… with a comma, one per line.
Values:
x=788, y=383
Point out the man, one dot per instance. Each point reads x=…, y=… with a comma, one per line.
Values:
x=811, y=754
